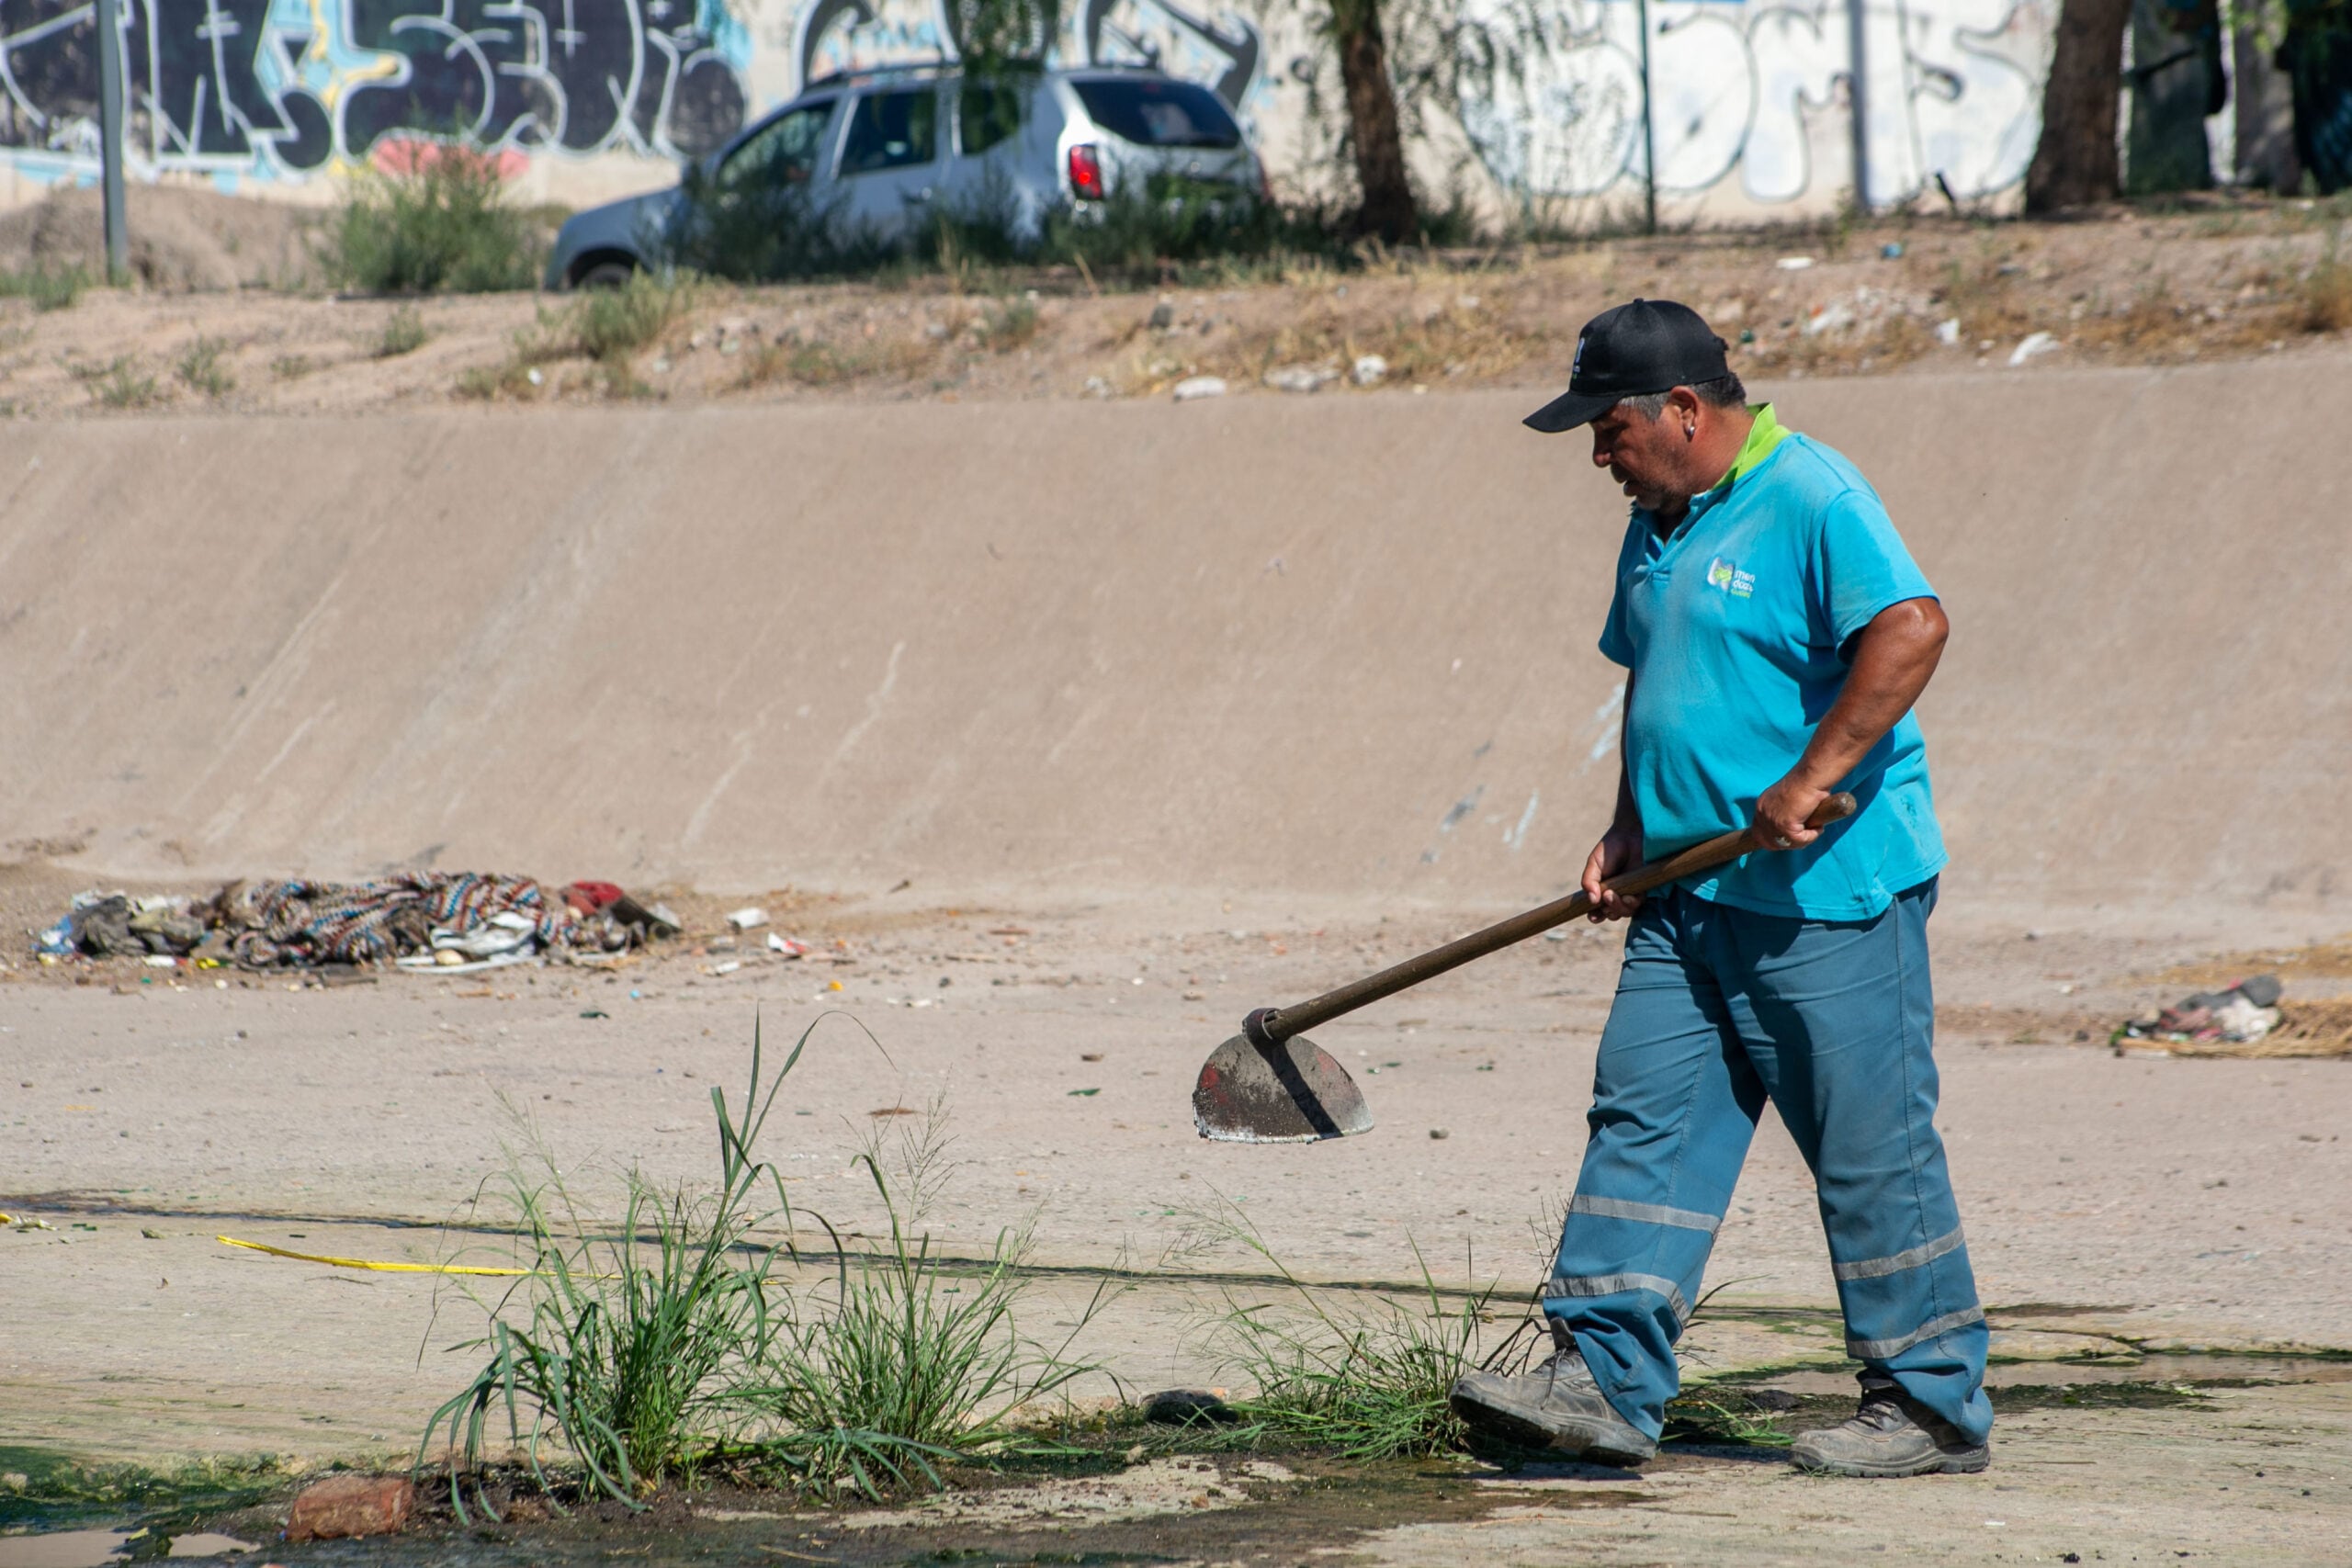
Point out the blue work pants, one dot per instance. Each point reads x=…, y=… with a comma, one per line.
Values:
x=1718, y=1009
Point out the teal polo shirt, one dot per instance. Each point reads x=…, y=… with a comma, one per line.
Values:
x=1735, y=626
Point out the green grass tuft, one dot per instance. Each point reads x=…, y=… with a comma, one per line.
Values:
x=118, y=384
x=1364, y=1380
x=443, y=224
x=403, y=333
x=672, y=1341
x=904, y=1358
x=45, y=288
x=609, y=325
x=200, y=370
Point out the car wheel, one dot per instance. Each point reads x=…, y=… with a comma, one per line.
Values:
x=604, y=274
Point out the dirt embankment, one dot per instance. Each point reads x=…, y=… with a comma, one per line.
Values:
x=223, y=323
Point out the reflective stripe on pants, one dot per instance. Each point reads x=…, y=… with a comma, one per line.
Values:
x=1717, y=1010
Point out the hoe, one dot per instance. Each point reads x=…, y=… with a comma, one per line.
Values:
x=1270, y=1084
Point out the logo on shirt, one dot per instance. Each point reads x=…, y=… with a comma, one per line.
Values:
x=1728, y=576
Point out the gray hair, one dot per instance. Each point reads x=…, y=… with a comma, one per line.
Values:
x=1722, y=392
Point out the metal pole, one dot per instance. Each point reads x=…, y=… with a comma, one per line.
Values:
x=1649, y=131
x=110, y=138
x=1857, y=92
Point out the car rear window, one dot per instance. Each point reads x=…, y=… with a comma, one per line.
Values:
x=1159, y=114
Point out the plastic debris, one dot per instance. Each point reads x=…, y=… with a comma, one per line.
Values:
x=1370, y=370
x=786, y=945
x=446, y=920
x=1794, y=264
x=745, y=919
x=2239, y=1016
x=1195, y=387
x=1300, y=377
x=2034, y=345
x=1948, y=331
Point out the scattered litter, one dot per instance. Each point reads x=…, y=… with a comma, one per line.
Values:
x=1083, y=1094
x=1794, y=264
x=1835, y=316
x=1193, y=387
x=2245, y=1020
x=1300, y=377
x=727, y=968
x=457, y=922
x=1440, y=1134
x=377, y=1266
x=1948, y=331
x=894, y=1111
x=1370, y=370
x=1891, y=250
x=745, y=919
x=2034, y=344
x=786, y=946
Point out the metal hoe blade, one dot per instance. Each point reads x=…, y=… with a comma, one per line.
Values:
x=1288, y=1093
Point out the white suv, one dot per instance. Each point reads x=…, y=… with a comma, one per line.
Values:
x=877, y=151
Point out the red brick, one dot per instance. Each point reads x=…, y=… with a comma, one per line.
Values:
x=351, y=1505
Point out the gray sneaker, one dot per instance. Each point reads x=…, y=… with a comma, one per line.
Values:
x=1557, y=1407
x=1890, y=1436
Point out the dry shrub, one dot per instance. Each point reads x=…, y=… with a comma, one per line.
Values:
x=2325, y=303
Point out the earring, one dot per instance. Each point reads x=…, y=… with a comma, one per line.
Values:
x=1689, y=432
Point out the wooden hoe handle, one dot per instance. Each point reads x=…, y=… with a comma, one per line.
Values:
x=1270, y=1026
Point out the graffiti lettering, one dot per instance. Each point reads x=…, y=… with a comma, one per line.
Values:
x=1221, y=54
x=1756, y=91
x=245, y=84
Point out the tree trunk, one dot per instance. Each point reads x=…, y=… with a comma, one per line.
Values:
x=2075, y=163
x=1388, y=209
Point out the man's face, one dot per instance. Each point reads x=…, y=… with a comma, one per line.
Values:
x=1646, y=457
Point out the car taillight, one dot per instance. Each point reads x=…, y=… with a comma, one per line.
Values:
x=1085, y=172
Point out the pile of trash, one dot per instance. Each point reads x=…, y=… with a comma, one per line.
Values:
x=451, y=921
x=2240, y=1016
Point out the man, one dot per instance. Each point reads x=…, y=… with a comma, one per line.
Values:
x=1775, y=632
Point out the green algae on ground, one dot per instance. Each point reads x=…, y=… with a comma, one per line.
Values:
x=49, y=1489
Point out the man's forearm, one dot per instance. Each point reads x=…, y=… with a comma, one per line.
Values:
x=1895, y=656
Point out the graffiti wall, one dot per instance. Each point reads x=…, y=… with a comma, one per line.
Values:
x=1751, y=99
x=284, y=88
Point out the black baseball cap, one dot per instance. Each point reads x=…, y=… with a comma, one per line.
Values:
x=1647, y=346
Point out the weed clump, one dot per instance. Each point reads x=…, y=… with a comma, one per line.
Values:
x=45, y=290
x=120, y=384
x=1365, y=1382
x=668, y=1338
x=200, y=370
x=403, y=333
x=442, y=222
x=2326, y=305
x=608, y=326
